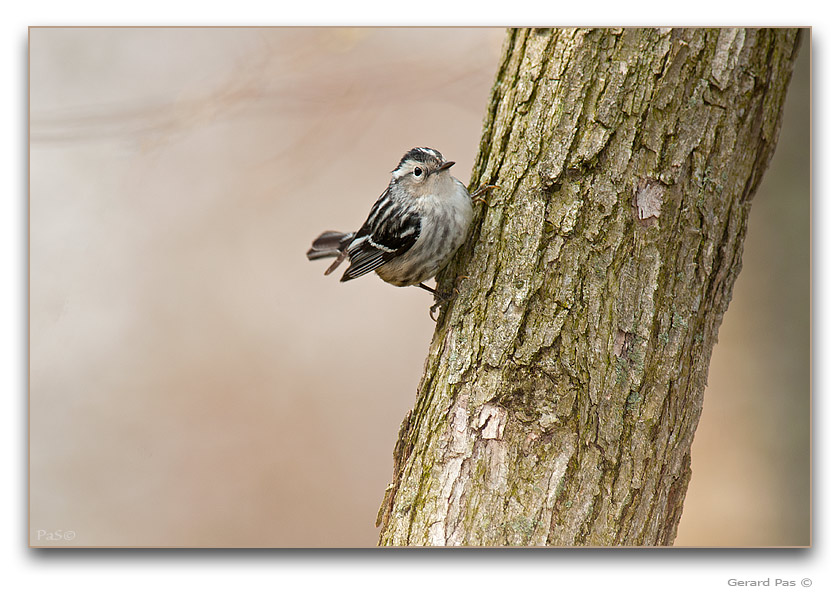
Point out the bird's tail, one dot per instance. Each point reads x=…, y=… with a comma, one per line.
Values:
x=330, y=244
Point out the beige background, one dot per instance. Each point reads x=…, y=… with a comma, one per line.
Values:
x=196, y=382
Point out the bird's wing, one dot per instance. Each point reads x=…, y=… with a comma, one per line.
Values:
x=383, y=237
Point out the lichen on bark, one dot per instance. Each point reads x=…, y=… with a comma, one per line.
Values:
x=565, y=382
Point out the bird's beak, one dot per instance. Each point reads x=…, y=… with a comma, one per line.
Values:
x=446, y=165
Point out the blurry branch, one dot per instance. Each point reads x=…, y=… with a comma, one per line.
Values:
x=270, y=81
x=151, y=121
x=564, y=385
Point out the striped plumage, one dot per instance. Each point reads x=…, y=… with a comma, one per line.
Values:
x=412, y=230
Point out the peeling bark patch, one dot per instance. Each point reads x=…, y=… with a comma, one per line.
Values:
x=618, y=343
x=491, y=421
x=622, y=343
x=648, y=201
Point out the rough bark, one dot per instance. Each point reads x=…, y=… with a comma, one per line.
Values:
x=565, y=382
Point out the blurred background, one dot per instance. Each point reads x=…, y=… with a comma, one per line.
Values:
x=195, y=381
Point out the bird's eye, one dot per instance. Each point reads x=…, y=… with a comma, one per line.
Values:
x=418, y=172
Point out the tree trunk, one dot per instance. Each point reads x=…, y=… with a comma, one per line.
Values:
x=565, y=382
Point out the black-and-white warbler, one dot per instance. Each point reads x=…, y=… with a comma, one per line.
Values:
x=412, y=231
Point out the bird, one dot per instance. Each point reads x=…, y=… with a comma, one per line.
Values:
x=412, y=230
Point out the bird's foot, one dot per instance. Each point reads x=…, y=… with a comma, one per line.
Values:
x=476, y=196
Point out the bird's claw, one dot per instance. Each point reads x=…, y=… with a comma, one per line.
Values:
x=441, y=298
x=475, y=195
